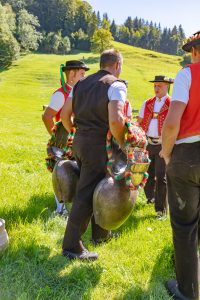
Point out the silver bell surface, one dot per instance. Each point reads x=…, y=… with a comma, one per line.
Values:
x=113, y=202
x=64, y=178
x=3, y=236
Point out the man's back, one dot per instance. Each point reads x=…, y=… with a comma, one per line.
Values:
x=90, y=102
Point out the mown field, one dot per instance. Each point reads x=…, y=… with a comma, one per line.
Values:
x=136, y=265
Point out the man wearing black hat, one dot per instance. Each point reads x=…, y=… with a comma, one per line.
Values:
x=74, y=71
x=151, y=117
x=181, y=151
x=97, y=104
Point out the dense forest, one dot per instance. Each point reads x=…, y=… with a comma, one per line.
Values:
x=59, y=26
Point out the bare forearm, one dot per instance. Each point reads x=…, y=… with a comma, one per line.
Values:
x=169, y=136
x=48, y=122
x=118, y=131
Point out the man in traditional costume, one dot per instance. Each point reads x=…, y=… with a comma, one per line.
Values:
x=181, y=151
x=98, y=104
x=151, y=117
x=74, y=71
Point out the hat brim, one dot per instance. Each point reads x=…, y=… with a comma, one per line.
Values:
x=170, y=82
x=74, y=68
x=188, y=46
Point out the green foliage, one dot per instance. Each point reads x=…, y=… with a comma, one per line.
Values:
x=77, y=20
x=27, y=34
x=9, y=48
x=54, y=43
x=80, y=40
x=186, y=60
x=101, y=40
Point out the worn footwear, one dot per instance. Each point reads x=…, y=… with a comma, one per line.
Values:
x=161, y=216
x=106, y=239
x=151, y=201
x=172, y=289
x=83, y=255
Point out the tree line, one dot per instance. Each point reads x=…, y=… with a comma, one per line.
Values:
x=59, y=26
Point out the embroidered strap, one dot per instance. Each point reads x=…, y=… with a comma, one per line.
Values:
x=68, y=147
x=57, y=152
x=137, y=157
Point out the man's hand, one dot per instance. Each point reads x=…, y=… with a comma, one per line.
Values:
x=47, y=118
x=166, y=158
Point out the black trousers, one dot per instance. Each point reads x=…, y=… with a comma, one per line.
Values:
x=156, y=184
x=183, y=182
x=91, y=156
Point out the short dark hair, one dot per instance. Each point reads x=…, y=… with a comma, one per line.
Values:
x=110, y=57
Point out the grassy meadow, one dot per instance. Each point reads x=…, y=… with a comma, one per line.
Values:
x=136, y=265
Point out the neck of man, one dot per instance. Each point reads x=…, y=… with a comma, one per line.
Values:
x=111, y=70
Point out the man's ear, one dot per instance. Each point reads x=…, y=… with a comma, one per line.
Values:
x=117, y=65
x=194, y=51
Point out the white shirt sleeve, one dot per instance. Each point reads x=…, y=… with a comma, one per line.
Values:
x=71, y=93
x=141, y=112
x=117, y=91
x=182, y=85
x=57, y=101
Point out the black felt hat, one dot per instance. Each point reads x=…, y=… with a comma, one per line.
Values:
x=162, y=78
x=74, y=64
x=192, y=41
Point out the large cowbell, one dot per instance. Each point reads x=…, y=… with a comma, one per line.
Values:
x=113, y=201
x=65, y=177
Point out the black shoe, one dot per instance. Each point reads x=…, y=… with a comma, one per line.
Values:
x=161, y=215
x=83, y=255
x=172, y=289
x=151, y=201
x=106, y=239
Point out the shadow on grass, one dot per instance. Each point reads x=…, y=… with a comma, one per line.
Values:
x=39, y=206
x=162, y=270
x=134, y=220
x=32, y=273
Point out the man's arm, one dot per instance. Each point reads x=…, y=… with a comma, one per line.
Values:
x=141, y=113
x=139, y=119
x=47, y=118
x=66, y=115
x=171, y=128
x=117, y=120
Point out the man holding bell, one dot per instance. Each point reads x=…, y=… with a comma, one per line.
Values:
x=97, y=104
x=74, y=70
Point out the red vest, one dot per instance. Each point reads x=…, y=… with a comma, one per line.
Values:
x=190, y=121
x=66, y=94
x=148, y=114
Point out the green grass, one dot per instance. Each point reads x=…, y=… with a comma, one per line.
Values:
x=136, y=265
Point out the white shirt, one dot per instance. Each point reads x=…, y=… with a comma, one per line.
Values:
x=57, y=100
x=153, y=125
x=181, y=90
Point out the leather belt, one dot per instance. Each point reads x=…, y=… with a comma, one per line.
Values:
x=153, y=140
x=155, y=115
